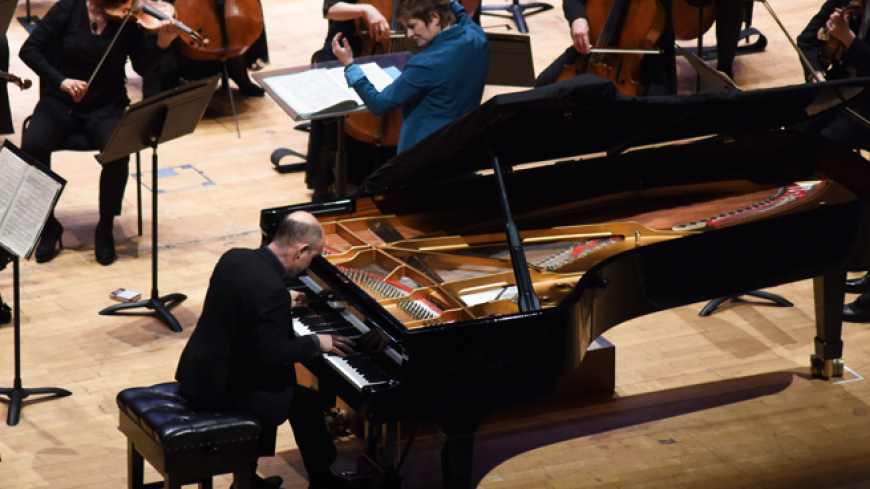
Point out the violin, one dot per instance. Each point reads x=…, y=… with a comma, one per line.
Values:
x=9, y=77
x=148, y=15
x=832, y=49
x=629, y=26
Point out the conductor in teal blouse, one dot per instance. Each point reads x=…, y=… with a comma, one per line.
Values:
x=439, y=84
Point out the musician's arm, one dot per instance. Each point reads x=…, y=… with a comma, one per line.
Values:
x=45, y=36
x=145, y=55
x=808, y=41
x=574, y=9
x=342, y=11
x=858, y=57
x=413, y=82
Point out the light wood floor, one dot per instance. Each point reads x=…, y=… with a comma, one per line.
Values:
x=720, y=402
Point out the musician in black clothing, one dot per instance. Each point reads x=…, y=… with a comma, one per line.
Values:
x=841, y=127
x=658, y=71
x=242, y=353
x=5, y=113
x=324, y=133
x=64, y=50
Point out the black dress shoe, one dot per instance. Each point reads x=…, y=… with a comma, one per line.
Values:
x=272, y=482
x=858, y=311
x=252, y=90
x=104, y=243
x=858, y=285
x=50, y=241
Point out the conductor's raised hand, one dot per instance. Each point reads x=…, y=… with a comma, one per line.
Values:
x=75, y=88
x=341, y=50
x=335, y=344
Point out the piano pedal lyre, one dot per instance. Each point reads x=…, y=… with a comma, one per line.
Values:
x=826, y=368
x=339, y=423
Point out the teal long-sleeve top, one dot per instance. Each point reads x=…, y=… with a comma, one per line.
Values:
x=439, y=84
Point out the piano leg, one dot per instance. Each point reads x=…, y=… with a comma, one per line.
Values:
x=456, y=460
x=828, y=293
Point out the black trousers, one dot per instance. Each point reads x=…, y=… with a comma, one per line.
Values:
x=306, y=417
x=52, y=123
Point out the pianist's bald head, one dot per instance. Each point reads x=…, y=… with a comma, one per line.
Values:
x=297, y=241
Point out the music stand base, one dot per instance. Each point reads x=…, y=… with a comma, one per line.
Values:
x=517, y=11
x=709, y=53
x=160, y=307
x=17, y=395
x=711, y=306
x=280, y=153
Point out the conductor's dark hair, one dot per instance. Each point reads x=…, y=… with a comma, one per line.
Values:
x=291, y=231
x=421, y=10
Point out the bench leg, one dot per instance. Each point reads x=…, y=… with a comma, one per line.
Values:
x=242, y=478
x=135, y=467
x=206, y=484
x=170, y=482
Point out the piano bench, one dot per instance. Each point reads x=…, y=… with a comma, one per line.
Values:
x=187, y=446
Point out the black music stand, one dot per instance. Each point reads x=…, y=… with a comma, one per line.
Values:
x=18, y=393
x=161, y=118
x=517, y=10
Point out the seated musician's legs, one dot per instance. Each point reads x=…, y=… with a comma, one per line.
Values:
x=552, y=72
x=314, y=441
x=50, y=124
x=729, y=22
x=113, y=182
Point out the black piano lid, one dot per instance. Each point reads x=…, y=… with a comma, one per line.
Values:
x=587, y=115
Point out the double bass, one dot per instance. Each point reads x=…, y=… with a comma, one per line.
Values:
x=628, y=25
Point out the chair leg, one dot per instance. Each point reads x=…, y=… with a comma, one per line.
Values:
x=135, y=468
x=242, y=477
x=206, y=484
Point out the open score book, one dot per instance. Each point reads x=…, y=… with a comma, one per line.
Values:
x=28, y=193
x=321, y=92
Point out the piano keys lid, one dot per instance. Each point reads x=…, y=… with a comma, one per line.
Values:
x=587, y=115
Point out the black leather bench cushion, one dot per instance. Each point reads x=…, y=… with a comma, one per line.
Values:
x=167, y=418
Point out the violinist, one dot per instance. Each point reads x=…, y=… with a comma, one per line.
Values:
x=441, y=83
x=64, y=50
x=658, y=71
x=840, y=127
x=5, y=113
x=323, y=136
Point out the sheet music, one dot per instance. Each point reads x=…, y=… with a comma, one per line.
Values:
x=11, y=173
x=27, y=206
x=324, y=90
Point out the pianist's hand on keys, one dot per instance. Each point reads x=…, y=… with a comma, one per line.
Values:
x=335, y=344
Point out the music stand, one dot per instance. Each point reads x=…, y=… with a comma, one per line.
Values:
x=161, y=118
x=265, y=79
x=18, y=393
x=516, y=11
x=510, y=60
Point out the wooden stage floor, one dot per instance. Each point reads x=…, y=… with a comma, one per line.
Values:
x=718, y=402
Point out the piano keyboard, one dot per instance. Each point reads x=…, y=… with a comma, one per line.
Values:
x=361, y=369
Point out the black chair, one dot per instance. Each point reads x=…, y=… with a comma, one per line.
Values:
x=186, y=445
x=79, y=142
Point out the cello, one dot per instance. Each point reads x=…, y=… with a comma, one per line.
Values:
x=626, y=25
x=236, y=23
x=367, y=127
x=684, y=18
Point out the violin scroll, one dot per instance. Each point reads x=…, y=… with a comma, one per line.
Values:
x=23, y=84
x=148, y=15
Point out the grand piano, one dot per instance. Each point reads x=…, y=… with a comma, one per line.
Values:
x=489, y=256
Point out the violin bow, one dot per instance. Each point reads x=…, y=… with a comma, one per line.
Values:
x=812, y=70
x=111, y=44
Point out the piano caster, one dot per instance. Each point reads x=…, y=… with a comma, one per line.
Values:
x=826, y=369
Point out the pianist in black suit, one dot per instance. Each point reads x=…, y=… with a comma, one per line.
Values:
x=841, y=127
x=242, y=353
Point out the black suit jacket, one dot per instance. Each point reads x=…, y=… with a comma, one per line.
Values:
x=242, y=353
x=857, y=56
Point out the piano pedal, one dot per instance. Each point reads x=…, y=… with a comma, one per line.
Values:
x=339, y=423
